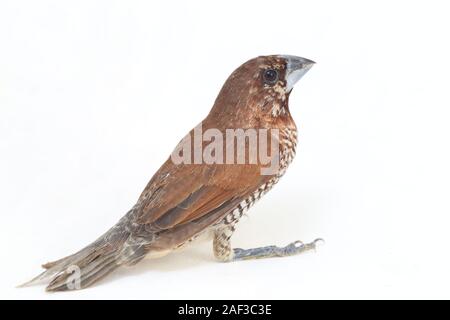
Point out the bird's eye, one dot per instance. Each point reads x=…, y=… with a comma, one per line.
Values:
x=270, y=76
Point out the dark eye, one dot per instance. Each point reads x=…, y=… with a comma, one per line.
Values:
x=270, y=76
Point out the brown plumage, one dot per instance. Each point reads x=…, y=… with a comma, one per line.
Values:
x=182, y=201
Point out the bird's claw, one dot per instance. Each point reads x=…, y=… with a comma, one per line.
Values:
x=291, y=249
x=297, y=247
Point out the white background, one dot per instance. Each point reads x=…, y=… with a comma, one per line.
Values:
x=94, y=95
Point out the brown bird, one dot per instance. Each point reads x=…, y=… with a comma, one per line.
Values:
x=204, y=193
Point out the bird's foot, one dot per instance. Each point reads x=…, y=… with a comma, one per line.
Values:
x=274, y=251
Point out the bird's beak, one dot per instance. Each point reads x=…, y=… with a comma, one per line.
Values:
x=296, y=68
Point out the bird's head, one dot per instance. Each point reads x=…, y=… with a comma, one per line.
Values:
x=260, y=88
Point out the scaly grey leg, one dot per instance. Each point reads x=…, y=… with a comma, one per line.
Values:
x=224, y=252
x=274, y=251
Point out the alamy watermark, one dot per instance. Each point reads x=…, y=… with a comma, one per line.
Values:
x=73, y=282
x=234, y=146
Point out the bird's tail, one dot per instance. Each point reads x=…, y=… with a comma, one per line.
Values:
x=92, y=263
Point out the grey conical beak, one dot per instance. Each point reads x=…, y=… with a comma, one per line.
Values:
x=296, y=68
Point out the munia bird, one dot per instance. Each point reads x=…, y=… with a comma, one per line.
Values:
x=185, y=200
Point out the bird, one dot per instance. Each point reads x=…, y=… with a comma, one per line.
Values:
x=186, y=199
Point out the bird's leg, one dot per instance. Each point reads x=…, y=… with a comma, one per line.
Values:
x=222, y=244
x=274, y=251
x=224, y=252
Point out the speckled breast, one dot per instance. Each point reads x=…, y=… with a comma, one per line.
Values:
x=288, y=144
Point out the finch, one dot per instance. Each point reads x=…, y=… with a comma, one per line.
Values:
x=198, y=189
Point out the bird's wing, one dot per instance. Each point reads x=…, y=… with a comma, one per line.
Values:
x=182, y=193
